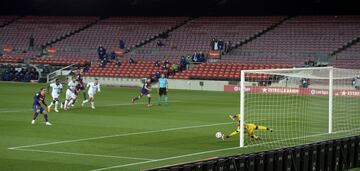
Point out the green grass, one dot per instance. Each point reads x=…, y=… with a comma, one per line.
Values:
x=136, y=137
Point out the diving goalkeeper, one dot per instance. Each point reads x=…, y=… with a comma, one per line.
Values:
x=249, y=128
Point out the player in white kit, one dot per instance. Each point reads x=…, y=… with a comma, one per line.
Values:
x=70, y=94
x=93, y=87
x=55, y=93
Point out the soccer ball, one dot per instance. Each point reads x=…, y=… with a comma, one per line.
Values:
x=218, y=135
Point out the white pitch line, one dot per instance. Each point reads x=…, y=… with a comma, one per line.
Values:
x=84, y=154
x=118, y=135
x=105, y=105
x=211, y=151
x=14, y=111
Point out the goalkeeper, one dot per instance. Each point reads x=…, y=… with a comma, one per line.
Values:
x=249, y=128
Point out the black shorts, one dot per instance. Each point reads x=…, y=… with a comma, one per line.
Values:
x=82, y=86
x=162, y=91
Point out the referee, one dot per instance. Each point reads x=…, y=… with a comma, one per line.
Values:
x=163, y=88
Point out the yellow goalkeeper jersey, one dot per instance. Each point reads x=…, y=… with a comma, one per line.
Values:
x=237, y=117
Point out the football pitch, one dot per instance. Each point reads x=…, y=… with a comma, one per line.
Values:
x=118, y=135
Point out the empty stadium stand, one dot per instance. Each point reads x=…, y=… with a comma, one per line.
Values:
x=292, y=42
x=307, y=34
x=195, y=36
x=108, y=32
x=43, y=29
x=270, y=58
x=299, y=39
x=5, y=20
x=139, y=70
x=348, y=58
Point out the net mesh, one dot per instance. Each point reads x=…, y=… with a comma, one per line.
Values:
x=294, y=104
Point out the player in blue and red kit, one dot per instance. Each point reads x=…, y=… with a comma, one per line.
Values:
x=80, y=80
x=145, y=90
x=38, y=109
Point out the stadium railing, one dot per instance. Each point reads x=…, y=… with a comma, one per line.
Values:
x=339, y=154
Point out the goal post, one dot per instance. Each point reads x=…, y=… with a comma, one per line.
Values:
x=330, y=121
x=242, y=105
x=300, y=105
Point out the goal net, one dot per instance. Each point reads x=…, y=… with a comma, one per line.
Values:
x=300, y=105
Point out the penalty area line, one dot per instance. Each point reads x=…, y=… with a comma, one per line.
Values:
x=119, y=135
x=79, y=107
x=84, y=154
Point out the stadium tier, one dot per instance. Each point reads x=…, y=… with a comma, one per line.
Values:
x=195, y=36
x=270, y=58
x=42, y=29
x=59, y=61
x=6, y=19
x=108, y=33
x=19, y=55
x=348, y=58
x=307, y=34
x=293, y=42
x=76, y=55
x=141, y=69
x=11, y=59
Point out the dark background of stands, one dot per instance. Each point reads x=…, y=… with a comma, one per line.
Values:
x=334, y=155
x=178, y=7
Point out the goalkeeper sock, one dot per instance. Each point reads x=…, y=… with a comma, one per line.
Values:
x=269, y=129
x=233, y=133
x=255, y=137
x=262, y=128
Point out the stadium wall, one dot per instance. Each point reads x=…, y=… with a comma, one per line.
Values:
x=111, y=81
x=294, y=91
x=206, y=85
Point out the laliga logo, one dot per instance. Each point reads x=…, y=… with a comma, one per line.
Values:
x=236, y=88
x=312, y=91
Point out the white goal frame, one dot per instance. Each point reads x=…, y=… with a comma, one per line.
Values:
x=242, y=95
